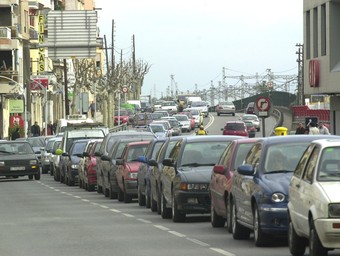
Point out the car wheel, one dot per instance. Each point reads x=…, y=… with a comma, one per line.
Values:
x=229, y=214
x=80, y=183
x=30, y=177
x=147, y=198
x=239, y=231
x=37, y=176
x=159, y=210
x=127, y=197
x=141, y=197
x=90, y=188
x=165, y=212
x=177, y=216
x=260, y=238
x=297, y=245
x=315, y=246
x=218, y=114
x=216, y=220
x=106, y=192
x=99, y=189
x=112, y=194
x=153, y=202
x=51, y=170
x=120, y=195
x=233, y=114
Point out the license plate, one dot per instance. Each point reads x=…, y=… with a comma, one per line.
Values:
x=18, y=168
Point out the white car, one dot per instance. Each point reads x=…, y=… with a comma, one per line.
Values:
x=253, y=118
x=196, y=114
x=184, y=121
x=314, y=200
x=201, y=106
x=169, y=106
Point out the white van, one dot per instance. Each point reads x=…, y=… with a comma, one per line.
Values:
x=73, y=119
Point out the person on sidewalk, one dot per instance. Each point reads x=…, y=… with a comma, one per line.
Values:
x=313, y=130
x=35, y=129
x=300, y=129
x=323, y=129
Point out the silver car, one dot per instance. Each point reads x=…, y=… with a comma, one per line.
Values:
x=225, y=107
x=253, y=118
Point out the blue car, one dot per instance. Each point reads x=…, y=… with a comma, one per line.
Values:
x=259, y=194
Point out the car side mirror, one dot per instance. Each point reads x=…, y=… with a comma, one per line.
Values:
x=168, y=162
x=219, y=169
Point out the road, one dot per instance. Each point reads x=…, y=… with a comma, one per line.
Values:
x=39, y=218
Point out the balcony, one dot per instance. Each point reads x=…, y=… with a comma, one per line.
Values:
x=5, y=32
x=33, y=34
x=9, y=2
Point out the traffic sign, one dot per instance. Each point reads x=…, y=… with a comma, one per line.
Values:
x=125, y=89
x=263, y=104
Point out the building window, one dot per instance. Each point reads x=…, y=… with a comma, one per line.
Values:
x=26, y=22
x=307, y=43
x=31, y=20
x=323, y=30
x=315, y=32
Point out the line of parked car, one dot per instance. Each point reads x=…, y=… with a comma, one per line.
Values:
x=283, y=187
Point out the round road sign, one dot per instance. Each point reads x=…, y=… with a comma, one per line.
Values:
x=263, y=104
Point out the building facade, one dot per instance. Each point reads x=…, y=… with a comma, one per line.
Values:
x=322, y=54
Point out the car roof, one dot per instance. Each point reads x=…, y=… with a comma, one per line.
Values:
x=295, y=138
x=234, y=122
x=133, y=143
x=328, y=142
x=211, y=138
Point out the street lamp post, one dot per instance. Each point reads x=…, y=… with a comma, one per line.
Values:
x=25, y=102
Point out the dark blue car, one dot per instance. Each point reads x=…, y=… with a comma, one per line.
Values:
x=259, y=193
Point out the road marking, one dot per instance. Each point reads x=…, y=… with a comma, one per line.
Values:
x=57, y=190
x=63, y=192
x=77, y=197
x=69, y=194
x=144, y=221
x=114, y=210
x=197, y=241
x=128, y=215
x=223, y=252
x=93, y=203
x=161, y=227
x=177, y=234
x=104, y=206
x=85, y=200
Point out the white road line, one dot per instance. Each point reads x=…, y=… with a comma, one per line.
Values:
x=85, y=200
x=223, y=252
x=144, y=221
x=104, y=206
x=77, y=197
x=93, y=203
x=114, y=210
x=57, y=190
x=177, y=234
x=63, y=192
x=69, y=194
x=161, y=227
x=197, y=241
x=128, y=215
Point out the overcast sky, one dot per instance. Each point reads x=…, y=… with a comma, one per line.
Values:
x=194, y=39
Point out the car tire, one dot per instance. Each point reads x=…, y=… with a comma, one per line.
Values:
x=296, y=244
x=112, y=194
x=315, y=246
x=165, y=211
x=229, y=214
x=239, y=232
x=30, y=177
x=233, y=114
x=127, y=197
x=216, y=220
x=159, y=210
x=153, y=202
x=141, y=197
x=260, y=238
x=120, y=195
x=37, y=176
x=80, y=183
x=106, y=192
x=218, y=114
x=147, y=198
x=177, y=216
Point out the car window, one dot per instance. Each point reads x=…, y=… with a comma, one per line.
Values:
x=310, y=168
x=78, y=148
x=301, y=165
x=136, y=151
x=240, y=154
x=253, y=156
x=234, y=126
x=156, y=148
x=329, y=165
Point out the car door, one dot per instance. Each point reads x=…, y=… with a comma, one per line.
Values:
x=246, y=185
x=304, y=195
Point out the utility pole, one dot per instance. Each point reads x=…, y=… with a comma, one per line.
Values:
x=135, y=96
x=300, y=89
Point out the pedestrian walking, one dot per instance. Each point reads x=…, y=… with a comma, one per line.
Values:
x=35, y=129
x=92, y=108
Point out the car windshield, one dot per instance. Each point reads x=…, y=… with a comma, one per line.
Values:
x=203, y=153
x=283, y=157
x=36, y=141
x=78, y=148
x=182, y=118
x=329, y=165
x=198, y=104
x=136, y=151
x=157, y=128
x=249, y=117
x=15, y=148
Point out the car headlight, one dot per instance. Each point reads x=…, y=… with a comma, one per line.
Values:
x=33, y=162
x=334, y=210
x=193, y=186
x=132, y=175
x=74, y=166
x=278, y=197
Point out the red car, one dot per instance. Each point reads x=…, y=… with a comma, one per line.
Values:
x=123, y=115
x=237, y=128
x=89, y=179
x=127, y=171
x=221, y=180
